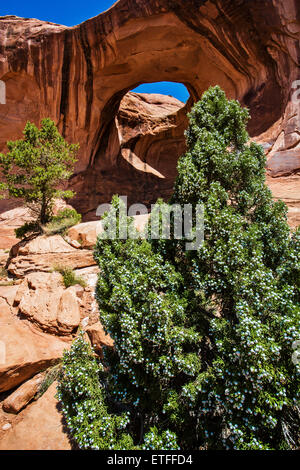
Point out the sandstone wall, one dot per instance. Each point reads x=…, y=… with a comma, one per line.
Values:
x=78, y=76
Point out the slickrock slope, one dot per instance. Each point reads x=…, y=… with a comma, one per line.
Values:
x=38, y=427
x=78, y=76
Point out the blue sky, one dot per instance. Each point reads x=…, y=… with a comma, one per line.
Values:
x=67, y=12
x=72, y=12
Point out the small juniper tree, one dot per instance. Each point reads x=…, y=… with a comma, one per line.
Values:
x=203, y=339
x=36, y=166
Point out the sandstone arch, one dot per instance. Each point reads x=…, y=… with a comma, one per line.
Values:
x=80, y=75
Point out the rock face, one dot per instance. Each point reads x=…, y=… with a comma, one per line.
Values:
x=9, y=221
x=140, y=157
x=13, y=215
x=287, y=189
x=38, y=314
x=79, y=76
x=43, y=253
x=86, y=234
x=25, y=350
x=48, y=304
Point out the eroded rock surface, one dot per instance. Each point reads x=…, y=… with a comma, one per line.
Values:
x=98, y=337
x=25, y=350
x=45, y=302
x=78, y=76
x=44, y=253
x=9, y=221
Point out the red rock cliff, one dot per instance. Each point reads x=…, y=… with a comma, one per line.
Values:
x=78, y=76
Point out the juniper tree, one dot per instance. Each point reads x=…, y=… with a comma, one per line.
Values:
x=204, y=339
x=36, y=166
x=248, y=272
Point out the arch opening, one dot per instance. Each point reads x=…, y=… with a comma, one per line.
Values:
x=141, y=143
x=171, y=89
x=150, y=123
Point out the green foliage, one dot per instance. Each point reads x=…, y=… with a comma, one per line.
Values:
x=59, y=223
x=51, y=375
x=203, y=339
x=3, y=272
x=27, y=229
x=148, y=311
x=4, y=278
x=88, y=412
x=36, y=166
x=69, y=276
x=6, y=283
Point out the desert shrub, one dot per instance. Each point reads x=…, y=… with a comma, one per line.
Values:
x=3, y=272
x=51, y=375
x=4, y=278
x=203, y=339
x=59, y=223
x=29, y=228
x=70, y=278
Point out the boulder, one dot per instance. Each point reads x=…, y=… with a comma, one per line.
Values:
x=25, y=351
x=68, y=314
x=86, y=233
x=40, y=300
x=15, y=402
x=45, y=302
x=6, y=427
x=75, y=244
x=39, y=427
x=90, y=275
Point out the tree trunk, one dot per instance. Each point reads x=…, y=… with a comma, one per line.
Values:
x=43, y=214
